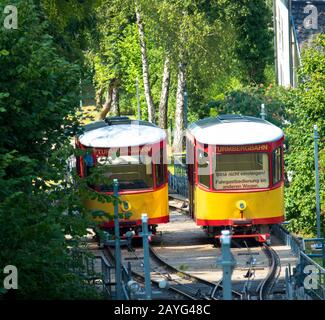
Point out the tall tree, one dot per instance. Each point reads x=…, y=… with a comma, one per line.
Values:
x=145, y=66
x=195, y=47
x=106, y=108
x=163, y=105
x=115, y=102
x=252, y=20
x=179, y=111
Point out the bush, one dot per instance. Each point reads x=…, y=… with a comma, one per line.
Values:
x=247, y=101
x=308, y=108
x=38, y=101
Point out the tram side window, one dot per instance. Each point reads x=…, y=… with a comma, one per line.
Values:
x=133, y=172
x=160, y=169
x=277, y=165
x=203, y=168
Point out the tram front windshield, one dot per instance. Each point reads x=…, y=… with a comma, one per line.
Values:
x=133, y=172
x=241, y=171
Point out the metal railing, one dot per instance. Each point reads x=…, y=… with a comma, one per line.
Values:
x=178, y=181
x=306, y=267
x=126, y=277
x=296, y=244
x=108, y=281
x=315, y=285
x=84, y=265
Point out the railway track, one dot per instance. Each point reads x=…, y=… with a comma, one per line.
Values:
x=261, y=290
x=172, y=293
x=252, y=288
x=194, y=286
x=185, y=285
x=181, y=285
x=266, y=286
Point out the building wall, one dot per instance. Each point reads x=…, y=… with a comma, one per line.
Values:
x=282, y=27
x=297, y=22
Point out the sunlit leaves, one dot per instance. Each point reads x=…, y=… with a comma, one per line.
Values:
x=308, y=108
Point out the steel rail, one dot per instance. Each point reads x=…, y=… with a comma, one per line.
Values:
x=274, y=271
x=212, y=287
x=108, y=253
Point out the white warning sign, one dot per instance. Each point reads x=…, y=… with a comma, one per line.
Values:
x=248, y=179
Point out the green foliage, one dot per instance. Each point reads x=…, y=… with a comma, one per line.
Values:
x=247, y=101
x=226, y=45
x=308, y=102
x=220, y=41
x=69, y=24
x=252, y=20
x=38, y=97
x=195, y=33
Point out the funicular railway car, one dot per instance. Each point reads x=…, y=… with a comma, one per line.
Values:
x=235, y=172
x=133, y=152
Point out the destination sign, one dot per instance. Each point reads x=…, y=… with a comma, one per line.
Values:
x=117, y=151
x=101, y=152
x=247, y=148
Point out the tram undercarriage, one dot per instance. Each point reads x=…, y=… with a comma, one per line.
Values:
x=260, y=233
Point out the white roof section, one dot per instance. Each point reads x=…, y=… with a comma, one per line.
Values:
x=122, y=135
x=234, y=130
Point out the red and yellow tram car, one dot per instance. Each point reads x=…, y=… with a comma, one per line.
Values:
x=235, y=172
x=133, y=152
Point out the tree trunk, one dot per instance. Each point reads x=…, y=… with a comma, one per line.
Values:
x=115, y=102
x=99, y=98
x=108, y=103
x=145, y=68
x=179, y=112
x=163, y=105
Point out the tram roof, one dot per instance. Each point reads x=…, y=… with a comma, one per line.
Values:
x=234, y=130
x=120, y=132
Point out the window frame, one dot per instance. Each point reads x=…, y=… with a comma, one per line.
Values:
x=153, y=148
x=162, y=154
x=273, y=157
x=204, y=149
x=248, y=189
x=121, y=189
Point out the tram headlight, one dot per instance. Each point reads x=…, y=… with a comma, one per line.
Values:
x=241, y=205
x=125, y=206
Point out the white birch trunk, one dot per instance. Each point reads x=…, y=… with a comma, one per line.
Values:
x=179, y=112
x=163, y=105
x=145, y=68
